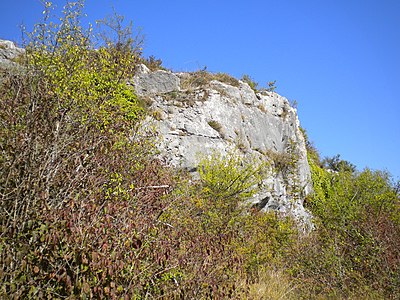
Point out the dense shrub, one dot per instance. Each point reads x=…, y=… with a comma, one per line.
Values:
x=337, y=164
x=77, y=216
x=355, y=250
x=222, y=245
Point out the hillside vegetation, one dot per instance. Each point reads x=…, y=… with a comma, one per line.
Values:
x=87, y=210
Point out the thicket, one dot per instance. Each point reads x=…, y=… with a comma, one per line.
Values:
x=354, y=253
x=88, y=211
x=76, y=218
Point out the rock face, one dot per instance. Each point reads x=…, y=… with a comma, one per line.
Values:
x=195, y=113
x=8, y=51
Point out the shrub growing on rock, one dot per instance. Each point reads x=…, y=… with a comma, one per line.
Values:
x=221, y=242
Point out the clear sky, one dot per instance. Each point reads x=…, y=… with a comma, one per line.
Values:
x=339, y=59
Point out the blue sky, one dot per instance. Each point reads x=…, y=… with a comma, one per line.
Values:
x=339, y=59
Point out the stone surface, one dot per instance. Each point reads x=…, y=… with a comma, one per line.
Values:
x=157, y=82
x=220, y=117
x=8, y=51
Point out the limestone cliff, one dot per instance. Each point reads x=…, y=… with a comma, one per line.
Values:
x=8, y=51
x=201, y=113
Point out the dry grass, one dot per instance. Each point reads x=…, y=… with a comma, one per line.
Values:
x=262, y=108
x=225, y=78
x=215, y=125
x=271, y=285
x=281, y=161
x=202, y=78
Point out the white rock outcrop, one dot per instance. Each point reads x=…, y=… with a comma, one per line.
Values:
x=8, y=51
x=221, y=117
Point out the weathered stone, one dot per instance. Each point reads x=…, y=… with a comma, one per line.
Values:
x=8, y=51
x=158, y=82
x=220, y=117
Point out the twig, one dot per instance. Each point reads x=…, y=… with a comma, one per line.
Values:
x=165, y=186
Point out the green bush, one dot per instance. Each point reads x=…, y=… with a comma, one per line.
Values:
x=337, y=164
x=231, y=176
x=354, y=252
x=153, y=63
x=76, y=216
x=223, y=242
x=253, y=85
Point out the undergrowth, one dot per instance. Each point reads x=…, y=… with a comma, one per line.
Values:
x=88, y=211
